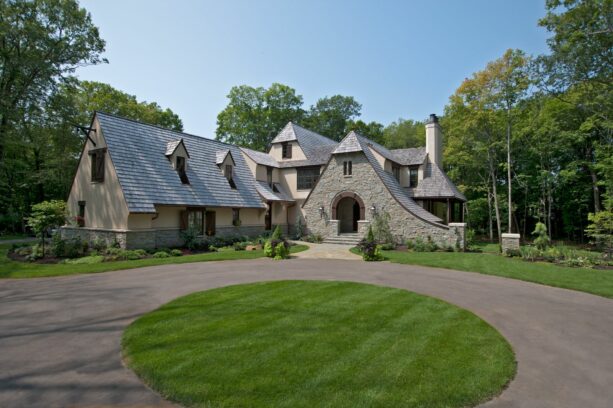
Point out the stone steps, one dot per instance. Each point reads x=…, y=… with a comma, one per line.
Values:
x=343, y=239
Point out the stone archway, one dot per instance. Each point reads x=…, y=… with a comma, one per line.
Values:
x=348, y=208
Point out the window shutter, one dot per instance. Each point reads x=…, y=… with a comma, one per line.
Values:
x=183, y=220
x=100, y=166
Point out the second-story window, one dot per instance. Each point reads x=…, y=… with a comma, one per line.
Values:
x=413, y=171
x=347, y=168
x=307, y=176
x=230, y=176
x=97, y=169
x=286, y=150
x=396, y=172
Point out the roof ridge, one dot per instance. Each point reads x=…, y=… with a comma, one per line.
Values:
x=96, y=112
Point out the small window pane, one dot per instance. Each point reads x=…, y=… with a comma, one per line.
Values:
x=195, y=220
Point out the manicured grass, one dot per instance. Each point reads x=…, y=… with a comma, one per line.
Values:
x=313, y=344
x=8, y=237
x=595, y=281
x=12, y=269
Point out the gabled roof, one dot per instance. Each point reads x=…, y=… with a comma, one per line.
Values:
x=277, y=193
x=138, y=150
x=172, y=146
x=316, y=147
x=394, y=187
x=411, y=156
x=435, y=184
x=220, y=156
x=349, y=144
x=260, y=157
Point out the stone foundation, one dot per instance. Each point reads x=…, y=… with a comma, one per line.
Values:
x=151, y=238
x=509, y=242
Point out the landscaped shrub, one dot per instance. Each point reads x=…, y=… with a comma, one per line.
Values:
x=99, y=244
x=299, y=227
x=542, y=239
x=600, y=230
x=35, y=253
x=176, y=252
x=190, y=238
x=470, y=238
x=529, y=253
x=75, y=248
x=161, y=254
x=314, y=238
x=388, y=246
x=281, y=251
x=369, y=248
x=380, y=225
x=276, y=239
x=58, y=245
x=239, y=246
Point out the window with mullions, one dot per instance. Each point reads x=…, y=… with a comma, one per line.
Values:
x=307, y=176
x=347, y=168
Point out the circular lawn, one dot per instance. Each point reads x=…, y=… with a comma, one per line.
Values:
x=313, y=343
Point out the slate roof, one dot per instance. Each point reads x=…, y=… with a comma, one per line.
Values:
x=435, y=184
x=220, y=156
x=147, y=177
x=172, y=146
x=260, y=157
x=269, y=194
x=316, y=148
x=410, y=157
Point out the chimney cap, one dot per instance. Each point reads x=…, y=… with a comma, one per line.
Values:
x=433, y=118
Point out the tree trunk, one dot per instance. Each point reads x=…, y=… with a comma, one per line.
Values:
x=509, y=172
x=489, y=214
x=595, y=190
x=497, y=208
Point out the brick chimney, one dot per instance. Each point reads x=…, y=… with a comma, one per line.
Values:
x=434, y=141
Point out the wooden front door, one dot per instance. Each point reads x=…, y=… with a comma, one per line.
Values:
x=210, y=223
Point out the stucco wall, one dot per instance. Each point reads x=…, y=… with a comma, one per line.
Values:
x=276, y=151
x=367, y=184
x=105, y=205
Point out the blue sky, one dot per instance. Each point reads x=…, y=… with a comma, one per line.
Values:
x=397, y=58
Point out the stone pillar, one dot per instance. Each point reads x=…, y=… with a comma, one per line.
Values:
x=510, y=243
x=460, y=232
x=363, y=227
x=333, y=227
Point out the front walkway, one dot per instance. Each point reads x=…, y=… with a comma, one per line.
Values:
x=60, y=338
x=326, y=251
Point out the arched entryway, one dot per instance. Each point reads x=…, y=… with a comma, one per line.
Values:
x=348, y=209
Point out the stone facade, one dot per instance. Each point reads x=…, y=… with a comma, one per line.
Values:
x=368, y=186
x=509, y=242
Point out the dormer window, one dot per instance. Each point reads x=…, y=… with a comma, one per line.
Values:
x=180, y=167
x=286, y=150
x=413, y=171
x=177, y=155
x=230, y=176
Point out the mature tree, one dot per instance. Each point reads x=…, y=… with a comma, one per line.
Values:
x=255, y=115
x=582, y=44
x=41, y=42
x=332, y=115
x=579, y=71
x=404, y=133
x=372, y=130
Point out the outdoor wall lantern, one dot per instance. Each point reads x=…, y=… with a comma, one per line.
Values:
x=373, y=210
x=321, y=211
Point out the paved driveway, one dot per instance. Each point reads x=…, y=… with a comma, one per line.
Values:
x=60, y=337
